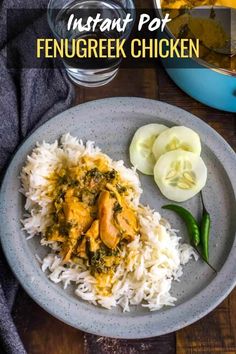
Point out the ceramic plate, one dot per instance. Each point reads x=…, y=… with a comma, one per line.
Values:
x=111, y=123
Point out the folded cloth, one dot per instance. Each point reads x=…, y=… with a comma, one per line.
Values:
x=28, y=97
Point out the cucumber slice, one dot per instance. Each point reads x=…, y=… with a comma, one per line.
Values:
x=180, y=175
x=141, y=155
x=177, y=138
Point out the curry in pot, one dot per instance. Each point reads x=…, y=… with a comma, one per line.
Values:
x=207, y=30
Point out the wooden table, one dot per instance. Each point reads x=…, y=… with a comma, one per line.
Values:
x=215, y=333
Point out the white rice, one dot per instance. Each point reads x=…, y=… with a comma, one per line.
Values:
x=149, y=264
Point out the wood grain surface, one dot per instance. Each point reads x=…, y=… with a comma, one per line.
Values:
x=215, y=333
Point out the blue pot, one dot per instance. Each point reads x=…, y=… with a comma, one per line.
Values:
x=211, y=86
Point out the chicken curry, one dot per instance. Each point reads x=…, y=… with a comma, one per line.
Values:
x=92, y=219
x=207, y=30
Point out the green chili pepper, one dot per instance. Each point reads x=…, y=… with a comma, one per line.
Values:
x=190, y=221
x=198, y=236
x=205, y=231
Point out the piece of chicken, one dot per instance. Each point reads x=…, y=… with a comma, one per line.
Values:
x=93, y=236
x=115, y=225
x=79, y=215
x=126, y=222
x=109, y=234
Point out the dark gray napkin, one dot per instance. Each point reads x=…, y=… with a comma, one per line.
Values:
x=28, y=97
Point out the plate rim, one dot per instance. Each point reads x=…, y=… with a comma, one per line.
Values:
x=232, y=254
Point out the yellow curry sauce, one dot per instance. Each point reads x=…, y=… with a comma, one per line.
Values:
x=92, y=219
x=176, y=4
x=209, y=31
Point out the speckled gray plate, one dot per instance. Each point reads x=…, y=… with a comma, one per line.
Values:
x=111, y=124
